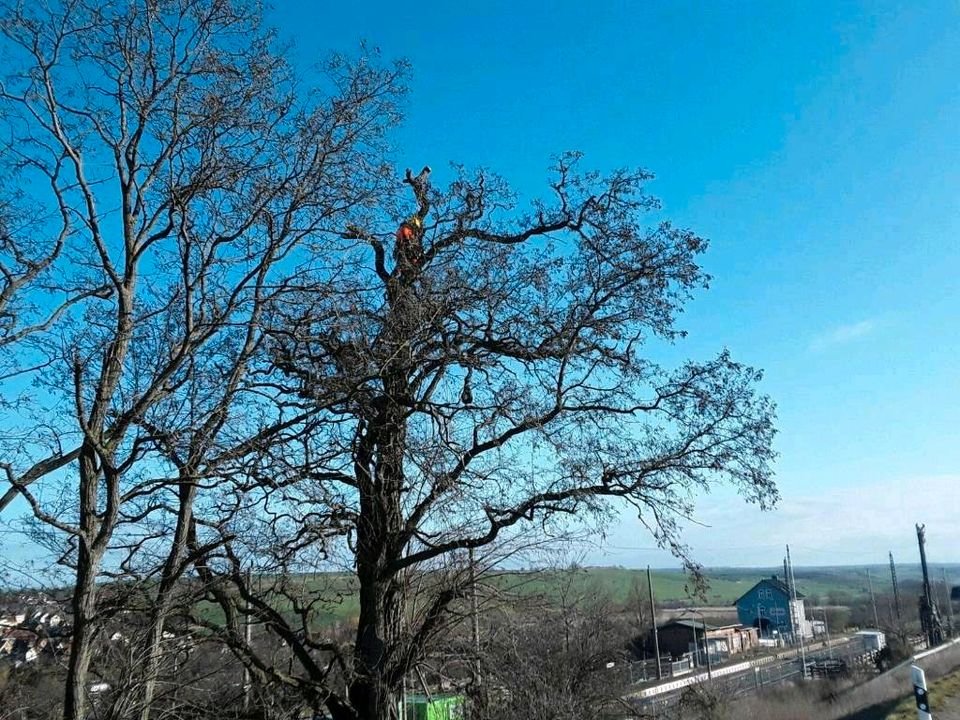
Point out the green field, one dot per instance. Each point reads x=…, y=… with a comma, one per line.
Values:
x=616, y=586
x=337, y=602
x=724, y=585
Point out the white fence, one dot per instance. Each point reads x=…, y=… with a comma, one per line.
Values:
x=687, y=681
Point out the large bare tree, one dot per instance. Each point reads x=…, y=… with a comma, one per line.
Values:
x=488, y=375
x=184, y=167
x=247, y=376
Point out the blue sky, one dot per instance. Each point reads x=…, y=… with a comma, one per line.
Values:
x=816, y=145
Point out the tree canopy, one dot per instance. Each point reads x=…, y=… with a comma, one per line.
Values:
x=246, y=374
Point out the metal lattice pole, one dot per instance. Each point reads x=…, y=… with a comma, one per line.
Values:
x=896, y=595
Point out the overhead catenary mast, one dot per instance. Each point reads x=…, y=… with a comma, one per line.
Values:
x=873, y=600
x=798, y=621
x=929, y=617
x=896, y=595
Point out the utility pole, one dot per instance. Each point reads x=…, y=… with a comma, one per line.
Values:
x=929, y=617
x=873, y=600
x=946, y=592
x=247, y=637
x=793, y=604
x=653, y=618
x=476, y=621
x=896, y=595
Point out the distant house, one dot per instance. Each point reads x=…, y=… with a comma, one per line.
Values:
x=767, y=606
x=679, y=637
x=21, y=646
x=26, y=634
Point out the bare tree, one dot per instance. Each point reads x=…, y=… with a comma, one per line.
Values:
x=491, y=380
x=33, y=295
x=259, y=385
x=638, y=602
x=188, y=168
x=562, y=662
x=35, y=292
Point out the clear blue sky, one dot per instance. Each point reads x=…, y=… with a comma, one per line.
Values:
x=817, y=145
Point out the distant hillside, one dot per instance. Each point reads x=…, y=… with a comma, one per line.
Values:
x=820, y=584
x=823, y=585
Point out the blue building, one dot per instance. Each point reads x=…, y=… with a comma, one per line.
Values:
x=767, y=606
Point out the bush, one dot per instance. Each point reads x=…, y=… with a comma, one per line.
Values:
x=893, y=653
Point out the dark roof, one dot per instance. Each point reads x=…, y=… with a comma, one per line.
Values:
x=691, y=624
x=17, y=633
x=776, y=583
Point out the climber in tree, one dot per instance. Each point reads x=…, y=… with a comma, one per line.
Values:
x=408, y=251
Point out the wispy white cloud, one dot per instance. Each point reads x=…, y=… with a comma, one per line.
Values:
x=832, y=526
x=843, y=334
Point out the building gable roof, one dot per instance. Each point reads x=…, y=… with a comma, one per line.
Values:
x=690, y=624
x=773, y=582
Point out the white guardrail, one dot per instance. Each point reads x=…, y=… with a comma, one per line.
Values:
x=687, y=681
x=932, y=651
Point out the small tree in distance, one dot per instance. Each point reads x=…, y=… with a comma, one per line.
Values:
x=560, y=662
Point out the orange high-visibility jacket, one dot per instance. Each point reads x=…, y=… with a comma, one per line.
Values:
x=408, y=242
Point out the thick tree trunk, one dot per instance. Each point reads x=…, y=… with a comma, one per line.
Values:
x=83, y=636
x=373, y=693
x=378, y=674
x=84, y=602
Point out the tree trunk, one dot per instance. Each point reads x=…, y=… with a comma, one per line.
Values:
x=153, y=652
x=373, y=693
x=83, y=636
x=379, y=673
x=91, y=548
x=172, y=570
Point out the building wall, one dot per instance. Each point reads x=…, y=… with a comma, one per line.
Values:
x=799, y=618
x=733, y=639
x=675, y=640
x=773, y=606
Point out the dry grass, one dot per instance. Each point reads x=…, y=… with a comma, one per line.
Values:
x=878, y=699
x=942, y=692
